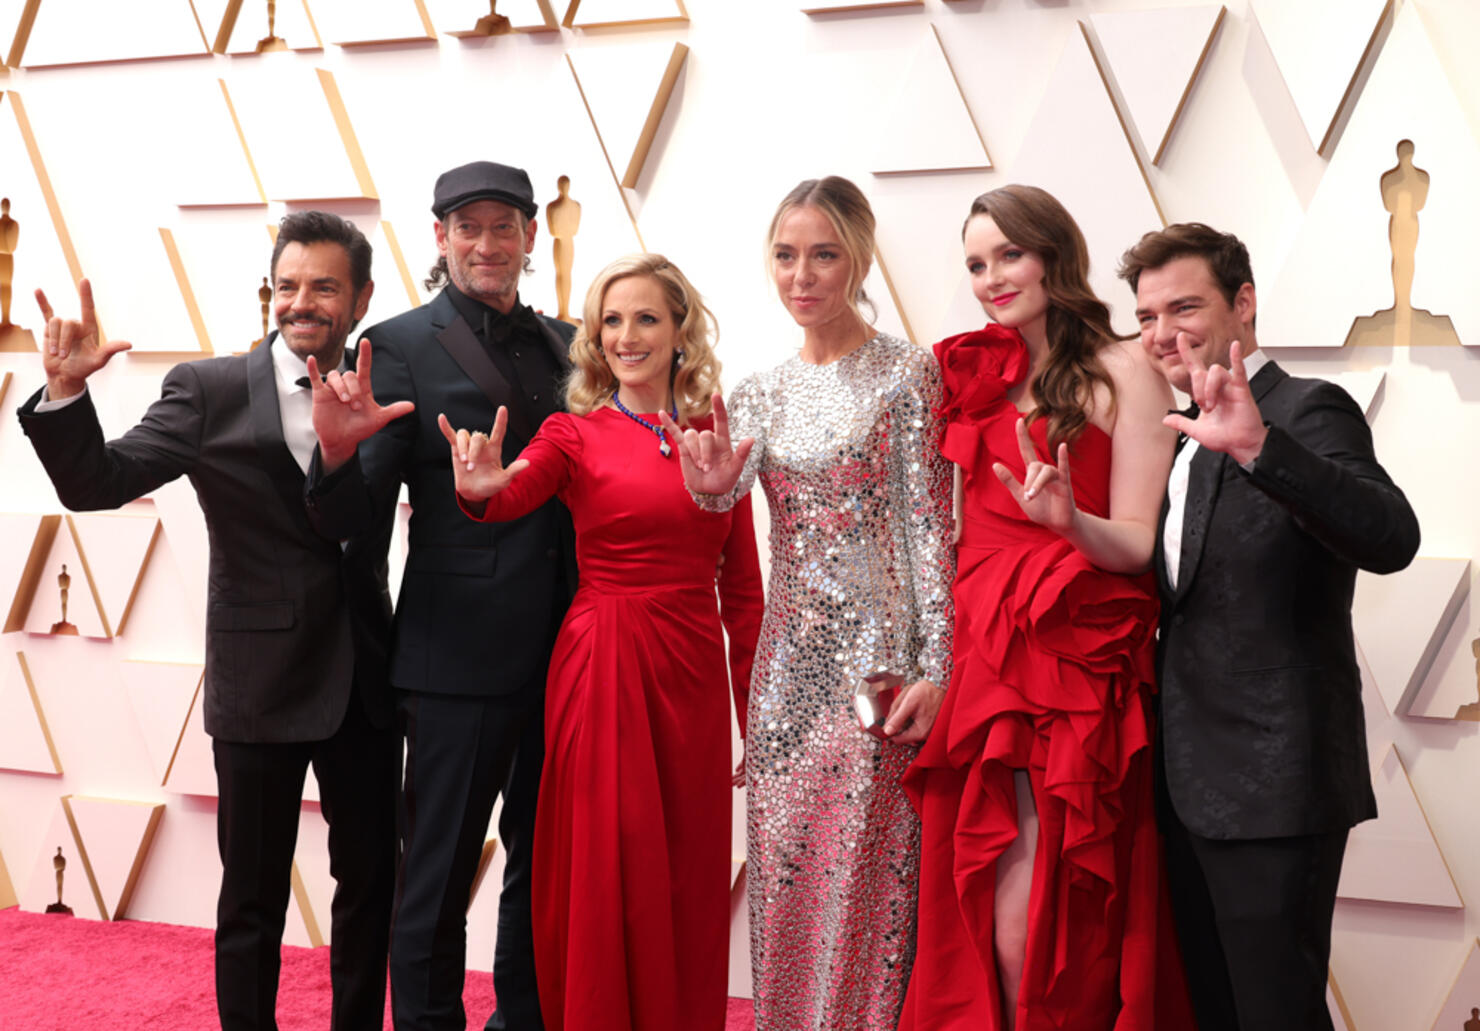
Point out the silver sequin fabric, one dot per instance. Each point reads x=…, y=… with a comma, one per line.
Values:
x=860, y=582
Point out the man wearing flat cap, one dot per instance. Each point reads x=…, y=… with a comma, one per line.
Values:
x=479, y=602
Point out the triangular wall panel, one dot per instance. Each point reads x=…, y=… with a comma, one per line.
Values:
x=161, y=694
x=1319, y=46
x=1347, y=225
x=325, y=161
x=598, y=14
x=836, y=6
x=66, y=568
x=112, y=32
x=118, y=548
x=1156, y=91
x=1401, y=618
x=1456, y=1011
x=948, y=139
x=354, y=22
x=1395, y=858
x=44, y=256
x=627, y=89
x=216, y=169
x=1341, y=1018
x=40, y=888
x=114, y=838
x=193, y=770
x=21, y=567
x=25, y=736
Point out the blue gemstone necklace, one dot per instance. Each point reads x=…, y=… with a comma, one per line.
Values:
x=664, y=448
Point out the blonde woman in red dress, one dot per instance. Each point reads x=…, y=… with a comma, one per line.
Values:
x=632, y=836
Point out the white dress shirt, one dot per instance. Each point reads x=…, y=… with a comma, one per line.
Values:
x=1171, y=537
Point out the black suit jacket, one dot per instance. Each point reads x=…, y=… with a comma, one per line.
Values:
x=477, y=600
x=1261, y=731
x=293, y=622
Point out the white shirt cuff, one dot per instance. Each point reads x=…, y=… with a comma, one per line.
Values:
x=47, y=405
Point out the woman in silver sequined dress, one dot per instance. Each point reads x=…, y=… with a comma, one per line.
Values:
x=844, y=443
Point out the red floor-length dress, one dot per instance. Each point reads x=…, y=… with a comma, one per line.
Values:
x=632, y=836
x=1053, y=674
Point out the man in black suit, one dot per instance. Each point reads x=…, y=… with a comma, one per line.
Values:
x=296, y=625
x=1274, y=502
x=480, y=602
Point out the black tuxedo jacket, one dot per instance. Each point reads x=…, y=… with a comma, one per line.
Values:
x=477, y=600
x=1261, y=731
x=293, y=621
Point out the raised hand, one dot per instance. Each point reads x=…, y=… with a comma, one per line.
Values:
x=711, y=465
x=71, y=351
x=1046, y=493
x=1228, y=418
x=345, y=411
x=478, y=458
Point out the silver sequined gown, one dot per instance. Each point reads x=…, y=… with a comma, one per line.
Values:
x=860, y=582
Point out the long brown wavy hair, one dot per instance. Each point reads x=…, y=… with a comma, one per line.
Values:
x=1078, y=321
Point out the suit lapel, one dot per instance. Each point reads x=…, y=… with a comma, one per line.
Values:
x=458, y=340
x=559, y=348
x=1158, y=553
x=1203, y=479
x=267, y=431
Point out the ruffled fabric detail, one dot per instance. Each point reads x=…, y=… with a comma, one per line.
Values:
x=977, y=370
x=1054, y=672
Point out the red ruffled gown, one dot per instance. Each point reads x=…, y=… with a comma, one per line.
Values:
x=632, y=835
x=1053, y=674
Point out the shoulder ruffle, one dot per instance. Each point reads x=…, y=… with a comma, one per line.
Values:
x=976, y=368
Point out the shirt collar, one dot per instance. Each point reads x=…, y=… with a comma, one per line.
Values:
x=1254, y=362
x=289, y=368
x=472, y=310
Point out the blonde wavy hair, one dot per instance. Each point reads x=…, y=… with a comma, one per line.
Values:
x=695, y=374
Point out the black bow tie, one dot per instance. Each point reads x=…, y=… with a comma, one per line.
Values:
x=302, y=381
x=1189, y=412
x=498, y=328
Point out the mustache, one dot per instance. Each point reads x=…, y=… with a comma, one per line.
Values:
x=315, y=320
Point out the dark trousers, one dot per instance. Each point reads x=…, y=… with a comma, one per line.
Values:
x=461, y=752
x=261, y=793
x=1254, y=925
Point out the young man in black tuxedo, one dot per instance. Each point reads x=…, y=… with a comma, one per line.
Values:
x=297, y=625
x=1275, y=501
x=480, y=602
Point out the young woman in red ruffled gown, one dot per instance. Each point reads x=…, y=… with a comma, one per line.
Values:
x=632, y=835
x=1040, y=892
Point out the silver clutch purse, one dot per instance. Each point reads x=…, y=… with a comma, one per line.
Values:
x=874, y=697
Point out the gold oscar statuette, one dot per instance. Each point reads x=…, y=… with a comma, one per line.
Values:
x=12, y=337
x=59, y=863
x=64, y=581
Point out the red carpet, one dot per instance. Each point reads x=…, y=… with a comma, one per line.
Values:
x=59, y=972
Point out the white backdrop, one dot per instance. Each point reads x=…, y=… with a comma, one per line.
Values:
x=156, y=153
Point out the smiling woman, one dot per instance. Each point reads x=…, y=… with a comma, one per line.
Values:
x=632, y=836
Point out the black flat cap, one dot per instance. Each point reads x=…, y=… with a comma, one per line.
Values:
x=483, y=180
